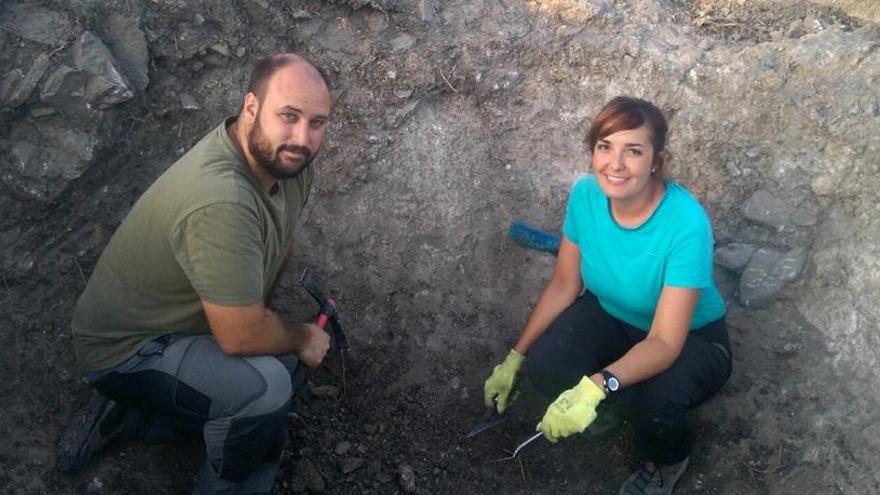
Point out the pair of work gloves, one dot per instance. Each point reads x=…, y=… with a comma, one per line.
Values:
x=570, y=413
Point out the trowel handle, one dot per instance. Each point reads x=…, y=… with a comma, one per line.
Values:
x=323, y=317
x=321, y=320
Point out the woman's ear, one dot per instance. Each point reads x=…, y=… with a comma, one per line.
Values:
x=661, y=160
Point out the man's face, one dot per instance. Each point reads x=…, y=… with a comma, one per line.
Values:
x=290, y=122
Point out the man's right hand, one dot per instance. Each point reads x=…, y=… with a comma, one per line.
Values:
x=496, y=390
x=315, y=344
x=255, y=330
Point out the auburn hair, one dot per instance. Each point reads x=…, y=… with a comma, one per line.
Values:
x=624, y=113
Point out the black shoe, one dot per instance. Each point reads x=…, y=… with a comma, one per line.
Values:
x=90, y=430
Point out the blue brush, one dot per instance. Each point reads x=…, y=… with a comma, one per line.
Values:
x=541, y=240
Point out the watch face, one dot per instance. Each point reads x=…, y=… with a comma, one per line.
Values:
x=613, y=384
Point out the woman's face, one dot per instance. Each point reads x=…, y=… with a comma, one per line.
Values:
x=622, y=162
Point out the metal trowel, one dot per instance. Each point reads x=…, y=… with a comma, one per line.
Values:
x=489, y=420
x=524, y=443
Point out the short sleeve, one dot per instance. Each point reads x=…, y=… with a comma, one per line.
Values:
x=690, y=258
x=219, y=247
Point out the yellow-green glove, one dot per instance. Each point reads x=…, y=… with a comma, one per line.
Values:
x=496, y=390
x=572, y=411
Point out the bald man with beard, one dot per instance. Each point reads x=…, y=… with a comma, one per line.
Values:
x=173, y=330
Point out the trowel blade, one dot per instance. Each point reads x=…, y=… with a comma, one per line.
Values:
x=489, y=420
x=526, y=442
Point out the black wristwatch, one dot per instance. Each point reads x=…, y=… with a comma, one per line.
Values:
x=612, y=384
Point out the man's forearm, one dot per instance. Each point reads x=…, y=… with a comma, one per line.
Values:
x=254, y=330
x=273, y=337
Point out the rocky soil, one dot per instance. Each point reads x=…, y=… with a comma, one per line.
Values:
x=452, y=119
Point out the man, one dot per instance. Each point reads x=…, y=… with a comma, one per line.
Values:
x=173, y=329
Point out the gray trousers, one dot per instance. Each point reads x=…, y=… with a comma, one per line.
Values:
x=183, y=383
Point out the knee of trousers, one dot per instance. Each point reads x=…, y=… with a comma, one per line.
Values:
x=659, y=408
x=276, y=391
x=544, y=372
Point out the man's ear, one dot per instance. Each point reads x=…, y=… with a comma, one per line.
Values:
x=250, y=108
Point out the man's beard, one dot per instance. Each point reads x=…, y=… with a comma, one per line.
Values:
x=271, y=160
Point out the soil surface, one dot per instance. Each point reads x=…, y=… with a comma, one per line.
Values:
x=438, y=141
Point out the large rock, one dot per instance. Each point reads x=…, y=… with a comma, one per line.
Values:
x=34, y=23
x=65, y=90
x=107, y=86
x=44, y=159
x=17, y=87
x=128, y=44
x=763, y=207
x=734, y=256
x=767, y=272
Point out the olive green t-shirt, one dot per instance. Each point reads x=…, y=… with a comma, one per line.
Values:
x=205, y=229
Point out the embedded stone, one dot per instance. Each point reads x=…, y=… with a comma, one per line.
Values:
x=9, y=84
x=44, y=159
x=426, y=10
x=406, y=478
x=734, y=256
x=767, y=273
x=128, y=44
x=107, y=86
x=35, y=23
x=351, y=464
x=17, y=87
x=764, y=208
x=188, y=102
x=64, y=90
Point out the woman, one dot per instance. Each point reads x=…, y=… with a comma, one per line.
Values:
x=631, y=310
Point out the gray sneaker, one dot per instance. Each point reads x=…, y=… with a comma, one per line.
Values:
x=98, y=423
x=654, y=479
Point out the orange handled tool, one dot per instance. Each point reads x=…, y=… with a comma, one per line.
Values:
x=323, y=317
x=328, y=313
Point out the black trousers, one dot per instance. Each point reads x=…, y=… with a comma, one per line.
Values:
x=584, y=339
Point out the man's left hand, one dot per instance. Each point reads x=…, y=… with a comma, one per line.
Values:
x=572, y=411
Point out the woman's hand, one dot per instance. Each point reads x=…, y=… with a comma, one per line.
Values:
x=573, y=411
x=496, y=390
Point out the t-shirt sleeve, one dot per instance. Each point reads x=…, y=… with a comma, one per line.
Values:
x=219, y=247
x=690, y=259
x=573, y=213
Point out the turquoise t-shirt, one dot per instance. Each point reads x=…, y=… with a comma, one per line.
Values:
x=627, y=268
